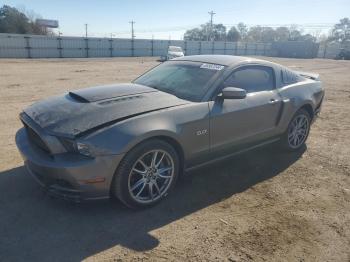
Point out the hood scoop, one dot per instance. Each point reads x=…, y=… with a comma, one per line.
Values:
x=98, y=93
x=78, y=98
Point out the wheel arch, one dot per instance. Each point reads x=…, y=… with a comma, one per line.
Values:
x=174, y=143
x=308, y=108
x=168, y=139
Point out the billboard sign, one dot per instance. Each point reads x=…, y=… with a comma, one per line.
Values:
x=47, y=23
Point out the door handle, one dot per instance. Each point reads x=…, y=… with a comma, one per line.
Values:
x=273, y=101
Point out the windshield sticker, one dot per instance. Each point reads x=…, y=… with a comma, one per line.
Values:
x=212, y=67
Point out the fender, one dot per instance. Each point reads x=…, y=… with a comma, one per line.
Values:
x=186, y=129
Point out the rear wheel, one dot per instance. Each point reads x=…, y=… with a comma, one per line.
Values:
x=298, y=131
x=146, y=174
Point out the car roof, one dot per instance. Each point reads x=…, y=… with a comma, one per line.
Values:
x=226, y=60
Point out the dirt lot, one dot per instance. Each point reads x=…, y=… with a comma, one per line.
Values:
x=262, y=206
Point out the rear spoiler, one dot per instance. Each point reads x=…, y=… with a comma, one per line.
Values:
x=312, y=76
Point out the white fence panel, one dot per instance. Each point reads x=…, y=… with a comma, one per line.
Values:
x=12, y=42
x=230, y=48
x=193, y=47
x=74, y=53
x=43, y=42
x=13, y=53
x=219, y=48
x=142, y=47
x=122, y=47
x=44, y=53
x=206, y=48
x=73, y=43
x=33, y=46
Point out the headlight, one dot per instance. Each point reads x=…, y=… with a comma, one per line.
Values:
x=83, y=149
x=76, y=147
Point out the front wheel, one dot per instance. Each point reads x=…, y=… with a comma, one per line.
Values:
x=298, y=131
x=146, y=174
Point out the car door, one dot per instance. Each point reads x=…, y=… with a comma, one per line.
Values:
x=239, y=121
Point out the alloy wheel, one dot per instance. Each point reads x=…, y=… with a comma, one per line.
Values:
x=151, y=176
x=298, y=131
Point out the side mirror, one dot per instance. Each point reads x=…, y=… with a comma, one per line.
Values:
x=233, y=93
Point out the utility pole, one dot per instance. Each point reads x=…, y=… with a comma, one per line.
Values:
x=132, y=22
x=132, y=29
x=86, y=30
x=211, y=24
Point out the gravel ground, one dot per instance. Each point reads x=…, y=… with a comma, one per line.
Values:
x=261, y=206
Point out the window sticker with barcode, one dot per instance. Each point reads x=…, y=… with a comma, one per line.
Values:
x=212, y=67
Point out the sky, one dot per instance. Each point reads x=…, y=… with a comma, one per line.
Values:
x=164, y=19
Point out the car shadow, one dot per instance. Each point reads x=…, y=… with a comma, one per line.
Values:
x=36, y=228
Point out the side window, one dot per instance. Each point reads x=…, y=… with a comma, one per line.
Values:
x=252, y=79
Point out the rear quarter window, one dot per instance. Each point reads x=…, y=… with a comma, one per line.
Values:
x=288, y=77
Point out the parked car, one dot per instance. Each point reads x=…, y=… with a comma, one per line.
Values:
x=173, y=52
x=132, y=141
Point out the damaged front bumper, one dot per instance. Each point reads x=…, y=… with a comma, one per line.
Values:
x=68, y=176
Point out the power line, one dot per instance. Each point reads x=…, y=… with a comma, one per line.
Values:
x=183, y=28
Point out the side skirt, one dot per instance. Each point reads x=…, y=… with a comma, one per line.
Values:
x=266, y=142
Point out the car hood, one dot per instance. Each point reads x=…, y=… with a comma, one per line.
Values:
x=83, y=110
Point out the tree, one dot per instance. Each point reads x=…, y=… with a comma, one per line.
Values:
x=260, y=33
x=195, y=34
x=282, y=33
x=13, y=21
x=294, y=33
x=16, y=22
x=307, y=37
x=341, y=31
x=243, y=30
x=233, y=35
x=216, y=33
x=255, y=34
x=268, y=34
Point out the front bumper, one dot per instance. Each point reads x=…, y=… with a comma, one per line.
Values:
x=68, y=176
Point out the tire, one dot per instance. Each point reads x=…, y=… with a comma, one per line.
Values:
x=141, y=180
x=292, y=139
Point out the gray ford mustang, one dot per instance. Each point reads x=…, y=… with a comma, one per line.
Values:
x=132, y=141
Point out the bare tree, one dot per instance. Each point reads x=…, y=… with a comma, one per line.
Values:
x=243, y=30
x=341, y=31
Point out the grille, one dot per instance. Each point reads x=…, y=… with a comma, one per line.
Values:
x=36, y=139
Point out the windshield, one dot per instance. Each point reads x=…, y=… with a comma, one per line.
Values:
x=186, y=80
